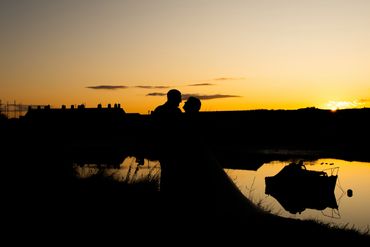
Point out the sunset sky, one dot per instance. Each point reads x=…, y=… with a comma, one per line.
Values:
x=233, y=54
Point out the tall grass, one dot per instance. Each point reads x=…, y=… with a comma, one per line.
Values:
x=135, y=179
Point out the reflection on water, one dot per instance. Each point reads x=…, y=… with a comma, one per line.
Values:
x=131, y=170
x=347, y=204
x=351, y=192
x=297, y=188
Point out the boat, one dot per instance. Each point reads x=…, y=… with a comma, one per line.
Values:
x=296, y=188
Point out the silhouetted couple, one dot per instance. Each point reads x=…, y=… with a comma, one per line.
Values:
x=174, y=98
x=170, y=125
x=191, y=177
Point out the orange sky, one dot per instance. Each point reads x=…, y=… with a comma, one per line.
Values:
x=234, y=54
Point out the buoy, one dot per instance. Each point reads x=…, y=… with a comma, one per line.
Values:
x=349, y=193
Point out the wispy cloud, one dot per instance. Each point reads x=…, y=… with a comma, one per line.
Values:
x=201, y=97
x=228, y=78
x=210, y=96
x=107, y=87
x=201, y=84
x=364, y=100
x=152, y=87
x=156, y=94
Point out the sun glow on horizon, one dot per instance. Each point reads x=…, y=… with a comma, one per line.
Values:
x=337, y=105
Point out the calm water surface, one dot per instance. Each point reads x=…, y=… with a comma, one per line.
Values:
x=353, y=210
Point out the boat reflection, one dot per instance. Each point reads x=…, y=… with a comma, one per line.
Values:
x=297, y=188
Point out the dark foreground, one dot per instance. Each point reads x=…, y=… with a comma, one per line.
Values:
x=47, y=204
x=117, y=215
x=43, y=201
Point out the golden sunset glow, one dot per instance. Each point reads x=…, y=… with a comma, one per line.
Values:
x=336, y=105
x=351, y=175
x=235, y=54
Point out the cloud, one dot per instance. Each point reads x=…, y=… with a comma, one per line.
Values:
x=152, y=87
x=228, y=78
x=211, y=96
x=106, y=87
x=201, y=97
x=156, y=94
x=201, y=84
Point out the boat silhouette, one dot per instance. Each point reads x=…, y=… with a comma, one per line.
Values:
x=297, y=188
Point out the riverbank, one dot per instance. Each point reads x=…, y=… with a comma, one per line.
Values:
x=42, y=194
x=121, y=216
x=45, y=201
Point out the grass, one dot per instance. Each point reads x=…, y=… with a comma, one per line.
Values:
x=106, y=203
x=114, y=180
x=239, y=222
x=275, y=225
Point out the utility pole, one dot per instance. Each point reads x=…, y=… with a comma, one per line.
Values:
x=15, y=109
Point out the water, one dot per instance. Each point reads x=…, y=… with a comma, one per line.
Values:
x=130, y=170
x=353, y=210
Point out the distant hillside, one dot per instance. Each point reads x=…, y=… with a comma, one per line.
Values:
x=231, y=134
x=304, y=129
